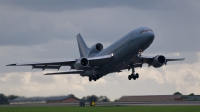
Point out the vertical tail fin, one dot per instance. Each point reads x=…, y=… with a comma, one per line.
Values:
x=83, y=49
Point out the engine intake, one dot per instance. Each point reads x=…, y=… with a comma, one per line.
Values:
x=158, y=61
x=81, y=63
x=84, y=62
x=96, y=48
x=99, y=47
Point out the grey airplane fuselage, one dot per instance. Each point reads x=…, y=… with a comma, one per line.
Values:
x=124, y=50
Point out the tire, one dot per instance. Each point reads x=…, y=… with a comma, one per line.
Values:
x=90, y=78
x=129, y=77
x=137, y=75
x=132, y=75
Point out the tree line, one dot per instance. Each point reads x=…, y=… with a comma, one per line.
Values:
x=96, y=98
x=5, y=99
x=178, y=93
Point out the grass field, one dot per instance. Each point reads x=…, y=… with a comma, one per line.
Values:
x=103, y=109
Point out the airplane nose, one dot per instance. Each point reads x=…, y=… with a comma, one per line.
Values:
x=151, y=36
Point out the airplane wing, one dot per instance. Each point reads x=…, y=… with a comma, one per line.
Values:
x=178, y=59
x=68, y=72
x=93, y=61
x=47, y=65
x=148, y=60
x=138, y=61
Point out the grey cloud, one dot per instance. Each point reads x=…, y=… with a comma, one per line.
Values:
x=61, y=5
x=52, y=51
x=28, y=28
x=191, y=79
x=18, y=79
x=178, y=31
x=37, y=78
x=13, y=79
x=190, y=57
x=22, y=27
x=31, y=31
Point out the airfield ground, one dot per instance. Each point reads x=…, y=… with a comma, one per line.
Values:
x=101, y=109
x=170, y=106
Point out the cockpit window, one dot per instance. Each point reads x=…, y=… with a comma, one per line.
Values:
x=146, y=31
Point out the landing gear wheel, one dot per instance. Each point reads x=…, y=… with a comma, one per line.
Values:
x=129, y=77
x=94, y=77
x=90, y=78
x=137, y=75
x=97, y=77
x=132, y=75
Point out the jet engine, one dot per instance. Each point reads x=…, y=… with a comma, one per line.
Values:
x=81, y=63
x=158, y=61
x=96, y=48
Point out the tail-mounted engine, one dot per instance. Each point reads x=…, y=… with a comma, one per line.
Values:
x=158, y=61
x=81, y=63
x=95, y=48
x=98, y=47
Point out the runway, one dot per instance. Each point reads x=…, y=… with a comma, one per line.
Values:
x=169, y=103
x=151, y=103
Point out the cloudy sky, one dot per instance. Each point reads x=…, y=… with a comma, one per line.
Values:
x=45, y=30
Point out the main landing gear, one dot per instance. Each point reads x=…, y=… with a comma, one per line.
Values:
x=133, y=75
x=94, y=77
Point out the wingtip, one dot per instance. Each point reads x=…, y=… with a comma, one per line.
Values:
x=12, y=64
x=47, y=74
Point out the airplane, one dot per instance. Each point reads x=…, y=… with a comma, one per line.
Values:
x=96, y=62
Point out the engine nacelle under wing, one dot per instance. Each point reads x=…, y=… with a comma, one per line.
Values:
x=158, y=61
x=81, y=63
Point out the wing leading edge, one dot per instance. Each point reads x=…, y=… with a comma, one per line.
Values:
x=94, y=61
x=47, y=65
x=139, y=60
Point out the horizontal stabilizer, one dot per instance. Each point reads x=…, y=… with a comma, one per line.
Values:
x=45, y=67
x=100, y=60
x=68, y=72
